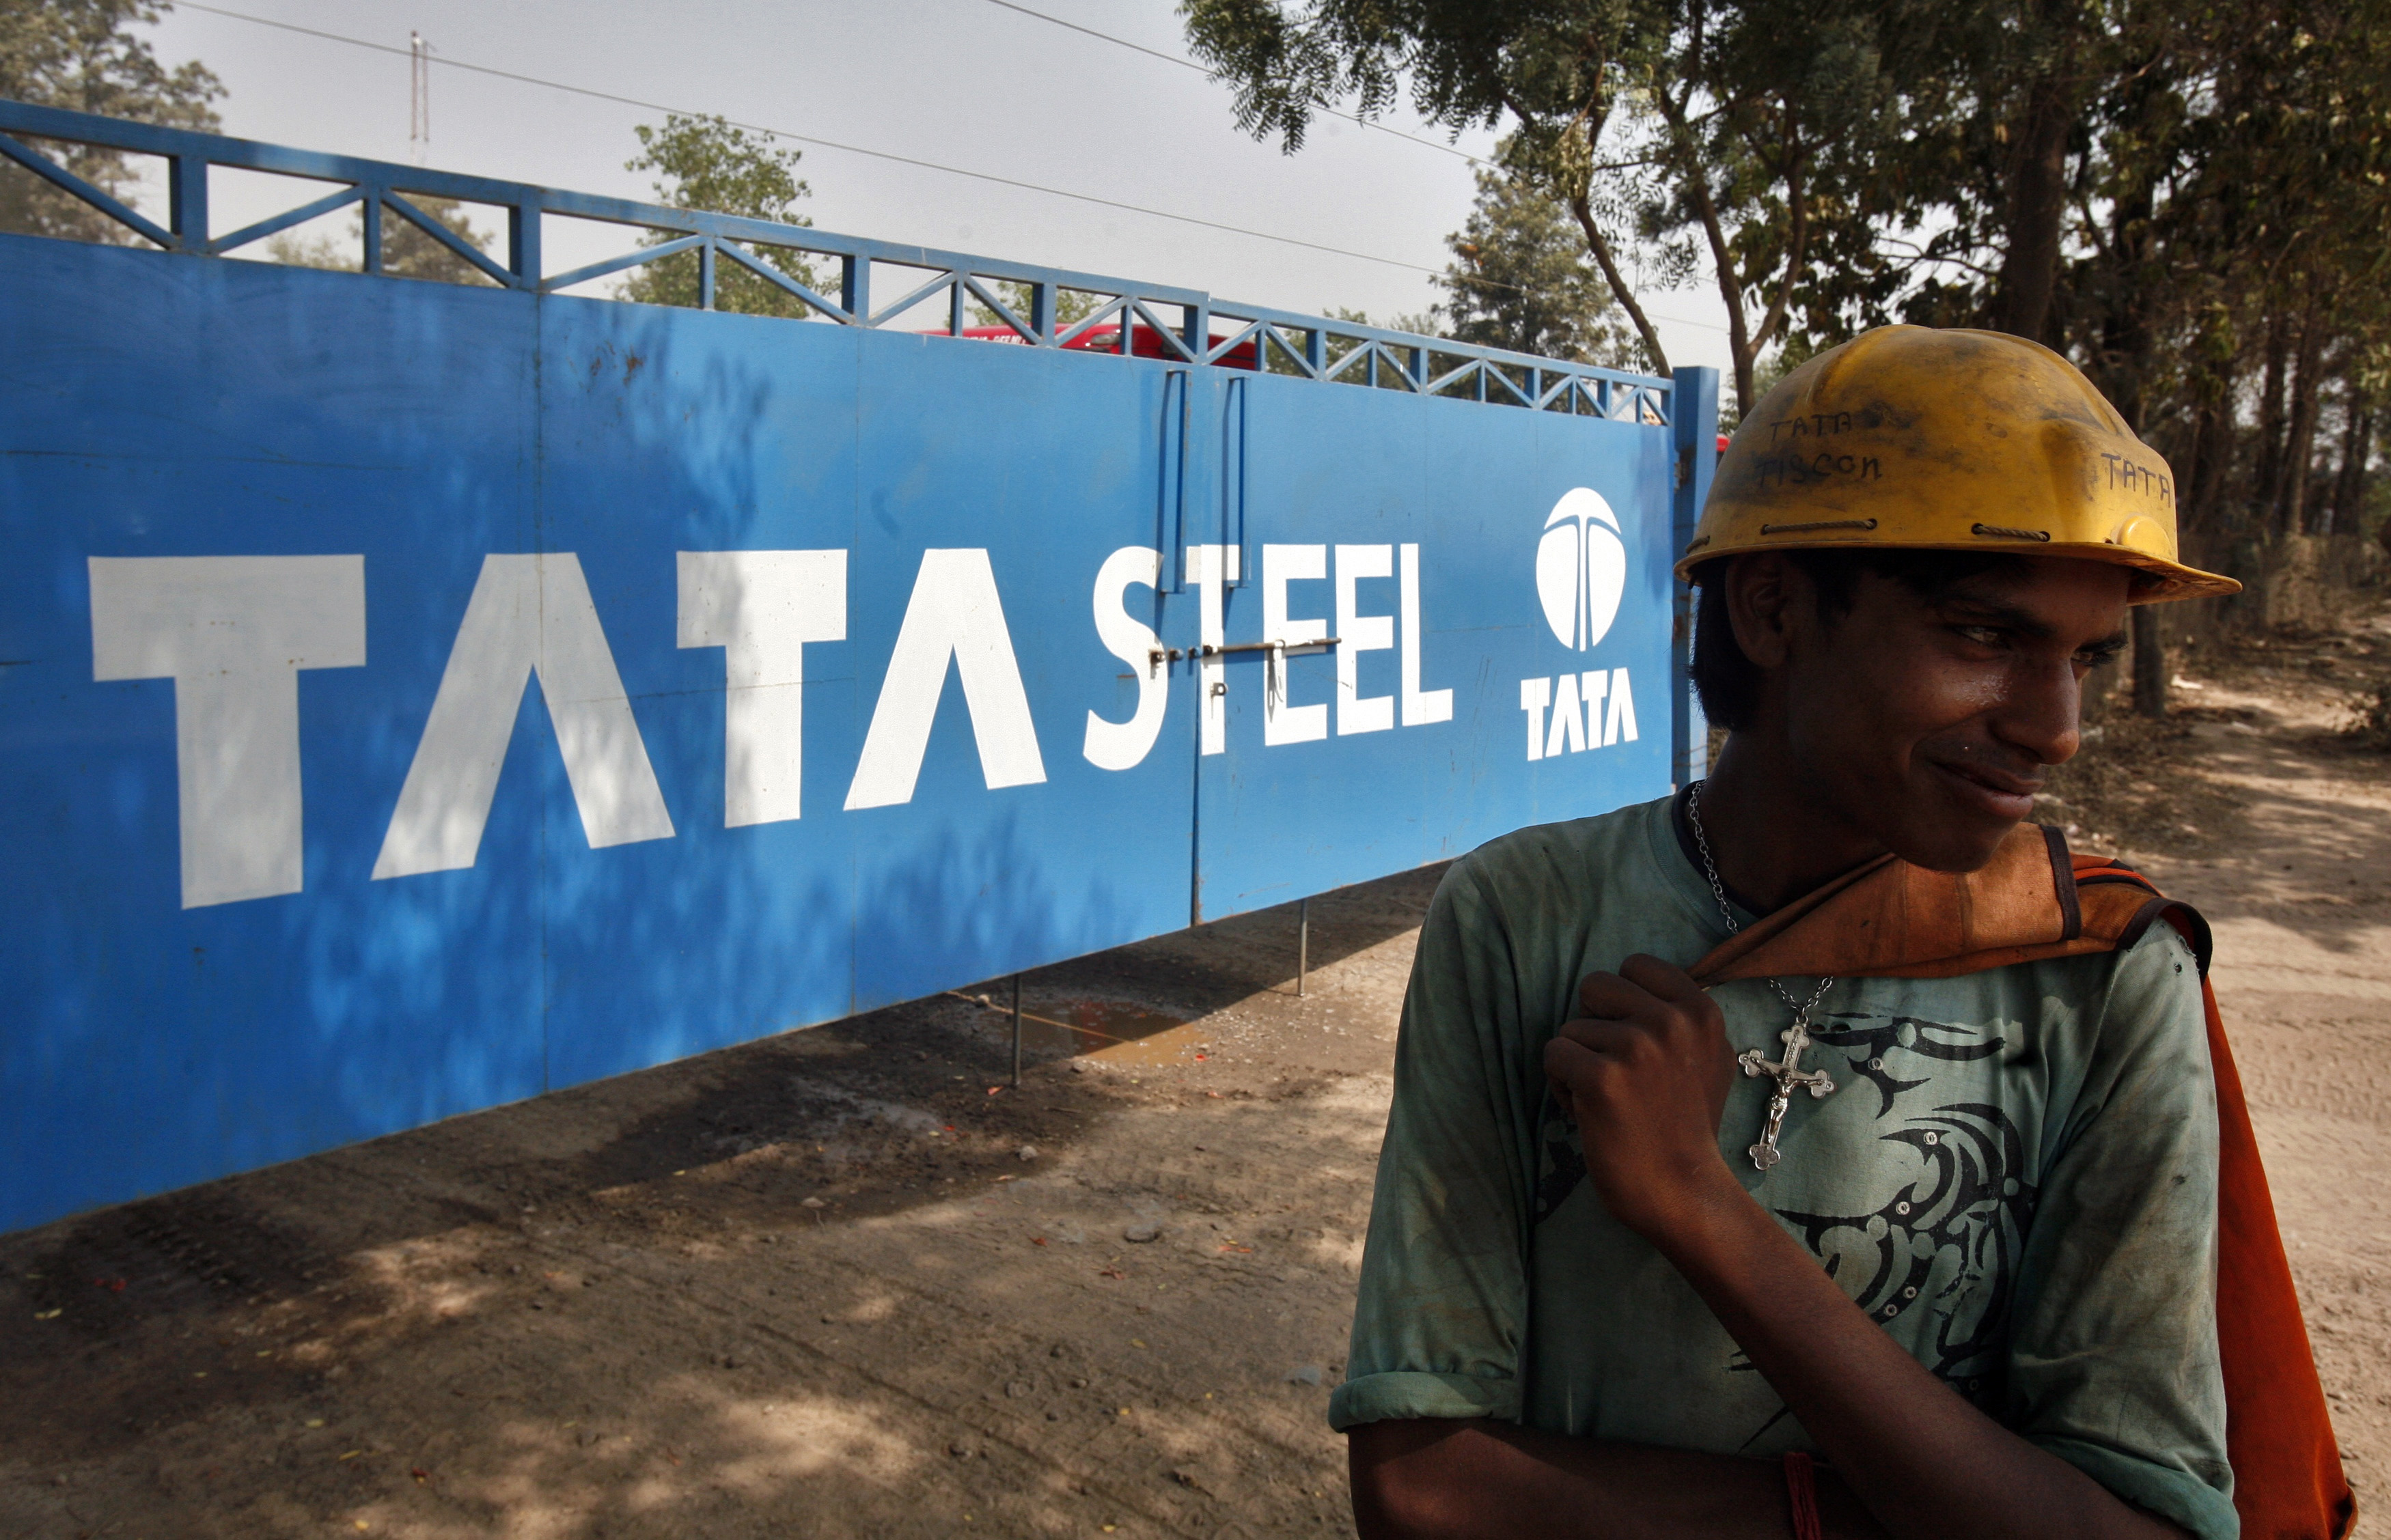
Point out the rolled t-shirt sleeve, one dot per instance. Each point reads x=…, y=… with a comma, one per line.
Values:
x=1441, y=1316
x=2113, y=1362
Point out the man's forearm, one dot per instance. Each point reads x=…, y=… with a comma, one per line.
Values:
x=1646, y=1073
x=1494, y=1480
x=1923, y=1459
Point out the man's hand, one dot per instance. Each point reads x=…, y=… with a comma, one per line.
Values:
x=1645, y=1072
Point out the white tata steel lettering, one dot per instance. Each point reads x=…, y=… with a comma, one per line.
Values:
x=232, y=631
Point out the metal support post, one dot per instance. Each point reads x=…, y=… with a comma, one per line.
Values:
x=1016, y=1032
x=187, y=199
x=855, y=286
x=1302, y=944
x=1171, y=515
x=369, y=212
x=1693, y=423
x=523, y=245
x=1041, y=311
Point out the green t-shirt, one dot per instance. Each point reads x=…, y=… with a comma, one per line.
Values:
x=2016, y=1177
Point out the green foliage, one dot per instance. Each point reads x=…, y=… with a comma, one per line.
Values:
x=1798, y=349
x=706, y=163
x=406, y=251
x=2188, y=199
x=1522, y=280
x=1705, y=131
x=85, y=56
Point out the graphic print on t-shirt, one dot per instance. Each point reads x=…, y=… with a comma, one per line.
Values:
x=1866, y=1046
x=1949, y=1238
x=1975, y=1201
x=2069, y=1104
x=1969, y=1208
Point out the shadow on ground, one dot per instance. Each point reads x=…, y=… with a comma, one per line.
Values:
x=156, y=1325
x=2249, y=790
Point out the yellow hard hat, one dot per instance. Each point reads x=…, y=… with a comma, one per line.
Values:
x=1914, y=438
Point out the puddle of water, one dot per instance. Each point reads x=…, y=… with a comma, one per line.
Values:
x=1114, y=1032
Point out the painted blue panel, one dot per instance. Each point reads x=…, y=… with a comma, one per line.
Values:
x=164, y=406
x=1473, y=488
x=439, y=444
x=1053, y=463
x=666, y=431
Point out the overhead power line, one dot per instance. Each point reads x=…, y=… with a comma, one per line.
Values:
x=1350, y=117
x=642, y=104
x=646, y=106
x=1190, y=64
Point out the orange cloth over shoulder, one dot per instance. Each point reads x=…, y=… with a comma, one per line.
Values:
x=1891, y=919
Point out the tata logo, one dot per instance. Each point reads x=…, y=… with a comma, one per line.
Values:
x=1580, y=569
x=1580, y=576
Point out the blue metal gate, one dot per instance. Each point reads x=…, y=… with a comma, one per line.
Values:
x=415, y=696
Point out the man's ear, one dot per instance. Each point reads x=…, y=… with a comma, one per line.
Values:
x=1767, y=599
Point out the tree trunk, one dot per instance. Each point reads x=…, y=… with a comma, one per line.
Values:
x=2150, y=663
x=1582, y=208
x=2037, y=206
x=2216, y=428
x=2268, y=486
x=2348, y=510
x=2212, y=457
x=2125, y=347
x=2125, y=331
x=2299, y=450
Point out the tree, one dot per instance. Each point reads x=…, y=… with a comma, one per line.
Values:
x=2187, y=197
x=406, y=251
x=709, y=164
x=85, y=56
x=2223, y=225
x=1713, y=132
x=1521, y=279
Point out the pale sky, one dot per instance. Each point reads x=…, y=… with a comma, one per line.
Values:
x=962, y=82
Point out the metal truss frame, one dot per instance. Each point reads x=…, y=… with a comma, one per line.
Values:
x=1284, y=343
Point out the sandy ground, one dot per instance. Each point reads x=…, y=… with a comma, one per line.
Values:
x=832, y=1284
x=2250, y=803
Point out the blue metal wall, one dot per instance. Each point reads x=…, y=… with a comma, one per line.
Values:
x=159, y=405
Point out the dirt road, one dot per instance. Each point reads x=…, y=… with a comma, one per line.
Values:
x=2249, y=804
x=829, y=1284
x=832, y=1284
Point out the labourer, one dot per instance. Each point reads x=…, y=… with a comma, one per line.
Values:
x=1823, y=1150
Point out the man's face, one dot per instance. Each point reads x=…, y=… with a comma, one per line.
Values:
x=1929, y=724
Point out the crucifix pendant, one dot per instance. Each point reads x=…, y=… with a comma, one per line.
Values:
x=1788, y=1074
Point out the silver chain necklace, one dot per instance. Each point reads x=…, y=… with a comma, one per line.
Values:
x=1787, y=1072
